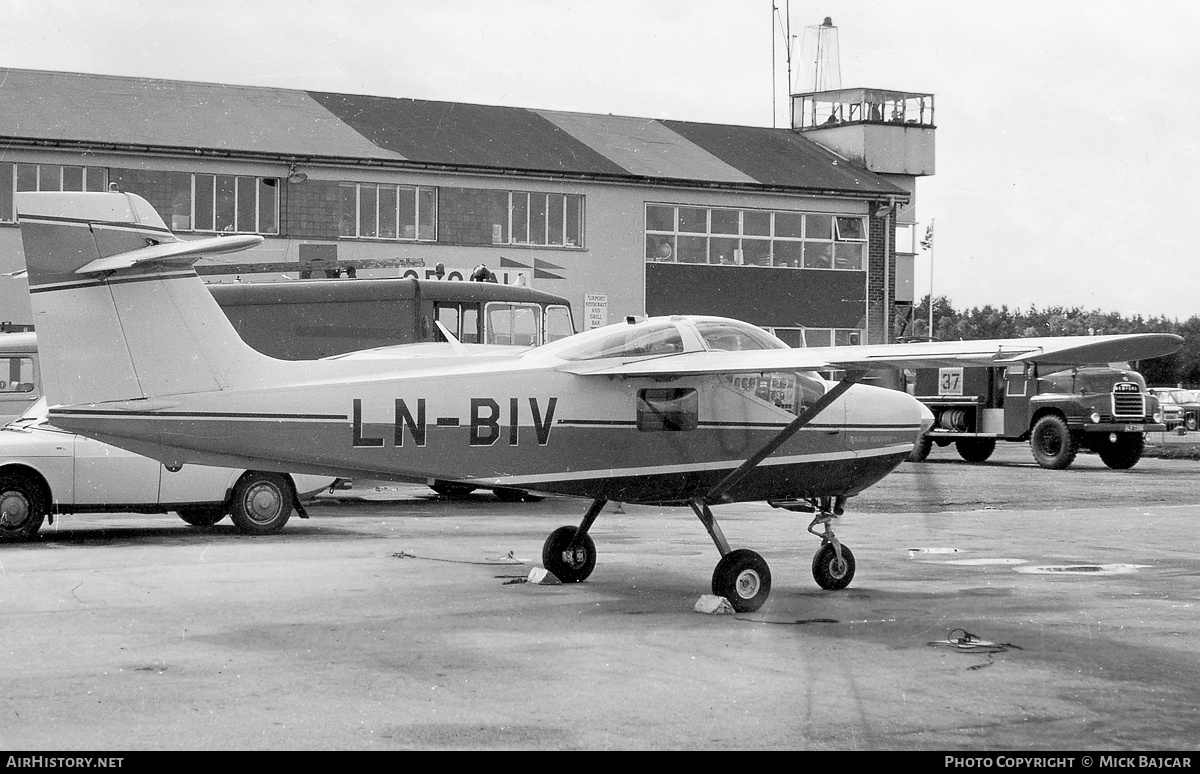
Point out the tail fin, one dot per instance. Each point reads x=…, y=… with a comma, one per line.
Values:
x=119, y=312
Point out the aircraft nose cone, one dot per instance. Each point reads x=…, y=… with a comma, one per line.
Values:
x=926, y=418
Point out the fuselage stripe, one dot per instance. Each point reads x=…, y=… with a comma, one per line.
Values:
x=722, y=465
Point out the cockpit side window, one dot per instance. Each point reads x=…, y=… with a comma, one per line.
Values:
x=736, y=337
x=667, y=409
x=634, y=341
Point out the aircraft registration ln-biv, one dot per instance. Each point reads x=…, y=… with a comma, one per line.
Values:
x=688, y=410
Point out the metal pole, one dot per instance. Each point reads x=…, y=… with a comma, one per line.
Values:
x=931, y=236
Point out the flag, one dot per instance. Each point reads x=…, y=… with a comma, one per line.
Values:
x=927, y=242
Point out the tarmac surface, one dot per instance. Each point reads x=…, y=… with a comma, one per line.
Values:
x=996, y=607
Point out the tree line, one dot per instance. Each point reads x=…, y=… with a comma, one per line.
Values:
x=989, y=322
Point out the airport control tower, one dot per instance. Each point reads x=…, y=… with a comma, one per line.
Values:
x=888, y=132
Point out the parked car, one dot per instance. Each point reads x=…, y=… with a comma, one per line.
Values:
x=1180, y=407
x=45, y=471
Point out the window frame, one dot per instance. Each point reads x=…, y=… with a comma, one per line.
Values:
x=408, y=198
x=722, y=246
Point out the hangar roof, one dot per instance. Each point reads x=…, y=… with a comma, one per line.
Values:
x=134, y=113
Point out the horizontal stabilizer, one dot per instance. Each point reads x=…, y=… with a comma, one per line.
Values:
x=172, y=253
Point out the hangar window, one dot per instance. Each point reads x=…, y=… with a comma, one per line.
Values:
x=59, y=177
x=45, y=177
x=545, y=219
x=370, y=211
x=191, y=201
x=819, y=337
x=681, y=234
x=235, y=203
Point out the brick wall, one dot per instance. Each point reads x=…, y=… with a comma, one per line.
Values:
x=880, y=320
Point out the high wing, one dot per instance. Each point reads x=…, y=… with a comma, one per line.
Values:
x=1056, y=350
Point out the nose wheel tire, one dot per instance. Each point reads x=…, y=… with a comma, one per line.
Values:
x=262, y=503
x=743, y=578
x=829, y=573
x=21, y=510
x=569, y=566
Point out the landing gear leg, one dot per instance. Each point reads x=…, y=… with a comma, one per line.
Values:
x=569, y=553
x=833, y=564
x=741, y=576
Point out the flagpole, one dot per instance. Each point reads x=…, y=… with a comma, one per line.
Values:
x=929, y=244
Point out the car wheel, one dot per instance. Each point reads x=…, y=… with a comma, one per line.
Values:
x=22, y=508
x=262, y=502
x=202, y=515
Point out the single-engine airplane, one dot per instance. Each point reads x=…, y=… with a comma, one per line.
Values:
x=685, y=410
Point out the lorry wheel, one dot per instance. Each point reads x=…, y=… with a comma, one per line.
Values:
x=1191, y=423
x=1124, y=453
x=975, y=449
x=920, y=450
x=1052, y=443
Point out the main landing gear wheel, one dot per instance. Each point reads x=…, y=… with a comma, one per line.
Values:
x=829, y=572
x=569, y=565
x=743, y=578
x=262, y=503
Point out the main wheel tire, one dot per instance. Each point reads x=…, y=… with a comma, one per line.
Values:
x=202, y=515
x=262, y=502
x=975, y=449
x=920, y=450
x=1124, y=453
x=22, y=509
x=572, y=567
x=828, y=572
x=743, y=578
x=1053, y=445
x=450, y=489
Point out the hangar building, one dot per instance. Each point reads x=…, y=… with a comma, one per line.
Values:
x=807, y=231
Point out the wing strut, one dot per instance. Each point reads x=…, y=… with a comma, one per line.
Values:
x=805, y=417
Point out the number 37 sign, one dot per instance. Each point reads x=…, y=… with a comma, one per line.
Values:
x=950, y=381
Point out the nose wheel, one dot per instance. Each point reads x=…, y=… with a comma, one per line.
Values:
x=833, y=564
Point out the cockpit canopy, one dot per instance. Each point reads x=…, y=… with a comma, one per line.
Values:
x=664, y=336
